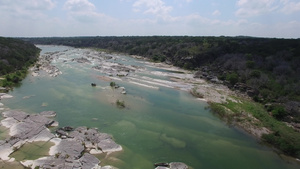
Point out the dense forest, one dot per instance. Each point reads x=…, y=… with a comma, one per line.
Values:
x=264, y=68
x=15, y=58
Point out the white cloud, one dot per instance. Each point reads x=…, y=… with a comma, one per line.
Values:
x=216, y=13
x=39, y=4
x=155, y=7
x=29, y=9
x=290, y=7
x=79, y=5
x=84, y=11
x=28, y=4
x=249, y=8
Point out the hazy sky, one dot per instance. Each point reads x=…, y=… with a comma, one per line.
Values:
x=263, y=18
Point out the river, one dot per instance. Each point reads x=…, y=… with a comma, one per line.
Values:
x=161, y=121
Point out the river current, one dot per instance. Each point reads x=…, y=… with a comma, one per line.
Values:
x=160, y=122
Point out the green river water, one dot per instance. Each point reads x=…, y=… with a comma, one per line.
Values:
x=157, y=125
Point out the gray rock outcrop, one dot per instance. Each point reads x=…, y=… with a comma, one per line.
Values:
x=71, y=150
x=174, y=165
x=23, y=128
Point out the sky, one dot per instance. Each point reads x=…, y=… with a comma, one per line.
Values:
x=49, y=18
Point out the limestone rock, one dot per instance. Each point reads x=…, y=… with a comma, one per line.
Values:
x=178, y=165
x=95, y=140
x=23, y=128
x=108, y=145
x=89, y=161
x=18, y=115
x=5, y=96
x=48, y=113
x=69, y=149
x=172, y=165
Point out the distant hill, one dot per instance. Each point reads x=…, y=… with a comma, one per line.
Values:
x=16, y=54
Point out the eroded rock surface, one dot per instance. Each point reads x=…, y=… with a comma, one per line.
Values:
x=173, y=165
x=23, y=128
x=71, y=150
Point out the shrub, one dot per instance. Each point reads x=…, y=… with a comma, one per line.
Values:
x=188, y=66
x=112, y=84
x=57, y=155
x=250, y=64
x=217, y=108
x=255, y=74
x=120, y=104
x=283, y=143
x=159, y=58
x=278, y=112
x=232, y=78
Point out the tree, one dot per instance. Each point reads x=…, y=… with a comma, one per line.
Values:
x=112, y=84
x=232, y=78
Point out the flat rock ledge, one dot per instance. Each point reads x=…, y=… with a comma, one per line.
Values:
x=172, y=165
x=5, y=96
x=73, y=147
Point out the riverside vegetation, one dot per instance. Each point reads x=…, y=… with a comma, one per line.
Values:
x=264, y=69
x=16, y=56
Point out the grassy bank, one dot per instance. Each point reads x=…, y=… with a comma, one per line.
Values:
x=13, y=79
x=281, y=136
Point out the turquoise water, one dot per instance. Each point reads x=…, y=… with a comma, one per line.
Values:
x=157, y=125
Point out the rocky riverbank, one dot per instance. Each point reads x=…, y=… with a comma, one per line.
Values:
x=44, y=64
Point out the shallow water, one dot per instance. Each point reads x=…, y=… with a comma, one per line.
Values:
x=158, y=124
x=32, y=151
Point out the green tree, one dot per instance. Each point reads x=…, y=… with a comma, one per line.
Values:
x=278, y=112
x=112, y=84
x=232, y=78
